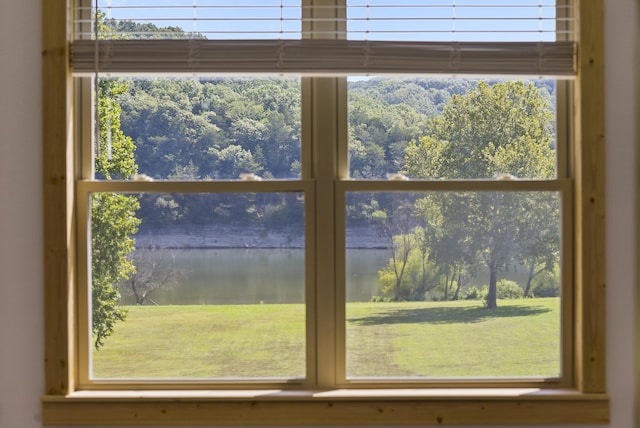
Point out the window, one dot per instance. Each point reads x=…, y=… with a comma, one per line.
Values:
x=221, y=158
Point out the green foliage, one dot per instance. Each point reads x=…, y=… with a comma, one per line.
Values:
x=507, y=289
x=217, y=128
x=547, y=284
x=127, y=29
x=287, y=213
x=380, y=299
x=201, y=129
x=474, y=293
x=114, y=157
x=499, y=131
x=222, y=127
x=113, y=216
x=113, y=222
x=409, y=273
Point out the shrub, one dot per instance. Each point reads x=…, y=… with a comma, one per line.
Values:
x=419, y=275
x=282, y=214
x=506, y=289
x=380, y=299
x=474, y=293
x=547, y=284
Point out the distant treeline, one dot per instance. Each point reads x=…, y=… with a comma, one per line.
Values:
x=200, y=129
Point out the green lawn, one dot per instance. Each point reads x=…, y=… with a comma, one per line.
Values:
x=520, y=338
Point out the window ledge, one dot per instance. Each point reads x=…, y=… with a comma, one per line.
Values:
x=457, y=406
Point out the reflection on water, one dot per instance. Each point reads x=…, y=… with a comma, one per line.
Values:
x=249, y=276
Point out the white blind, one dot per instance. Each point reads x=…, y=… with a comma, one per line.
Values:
x=503, y=37
x=414, y=20
x=316, y=57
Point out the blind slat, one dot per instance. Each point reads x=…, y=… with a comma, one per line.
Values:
x=316, y=57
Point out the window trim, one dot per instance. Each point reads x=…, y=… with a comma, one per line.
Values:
x=585, y=402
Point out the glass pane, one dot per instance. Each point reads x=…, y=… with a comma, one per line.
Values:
x=452, y=129
x=462, y=285
x=457, y=20
x=196, y=19
x=198, y=129
x=198, y=285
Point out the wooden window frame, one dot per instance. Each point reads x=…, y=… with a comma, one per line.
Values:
x=585, y=401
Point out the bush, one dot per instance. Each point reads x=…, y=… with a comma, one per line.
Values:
x=547, y=284
x=282, y=215
x=380, y=299
x=418, y=277
x=506, y=289
x=474, y=293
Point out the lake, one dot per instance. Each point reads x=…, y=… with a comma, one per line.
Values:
x=249, y=276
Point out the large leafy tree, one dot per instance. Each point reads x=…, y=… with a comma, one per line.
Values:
x=499, y=131
x=113, y=216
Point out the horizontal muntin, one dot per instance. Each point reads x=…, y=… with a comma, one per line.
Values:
x=307, y=185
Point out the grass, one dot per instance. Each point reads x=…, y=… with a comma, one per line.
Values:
x=205, y=341
x=520, y=338
x=434, y=339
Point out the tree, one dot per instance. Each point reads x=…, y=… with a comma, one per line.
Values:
x=113, y=216
x=400, y=244
x=539, y=239
x=154, y=269
x=500, y=131
x=449, y=248
x=409, y=273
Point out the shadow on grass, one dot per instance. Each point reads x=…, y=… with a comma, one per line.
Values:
x=446, y=315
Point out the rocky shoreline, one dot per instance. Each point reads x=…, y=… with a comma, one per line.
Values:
x=199, y=236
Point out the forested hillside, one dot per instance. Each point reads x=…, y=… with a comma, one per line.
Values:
x=201, y=129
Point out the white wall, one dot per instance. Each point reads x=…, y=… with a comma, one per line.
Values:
x=21, y=297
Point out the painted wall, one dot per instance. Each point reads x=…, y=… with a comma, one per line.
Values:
x=21, y=297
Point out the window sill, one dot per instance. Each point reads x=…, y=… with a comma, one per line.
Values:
x=334, y=407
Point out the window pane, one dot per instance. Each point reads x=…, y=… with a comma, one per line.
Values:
x=198, y=129
x=211, y=19
x=451, y=273
x=452, y=129
x=198, y=285
x=456, y=20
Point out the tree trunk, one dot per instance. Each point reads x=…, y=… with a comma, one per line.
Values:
x=456, y=295
x=446, y=288
x=529, y=280
x=492, y=296
x=139, y=299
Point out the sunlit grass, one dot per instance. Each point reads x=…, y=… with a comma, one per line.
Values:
x=434, y=339
x=520, y=338
x=205, y=342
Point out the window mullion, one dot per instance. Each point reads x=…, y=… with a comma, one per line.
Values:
x=85, y=127
x=82, y=292
x=324, y=135
x=322, y=22
x=85, y=134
